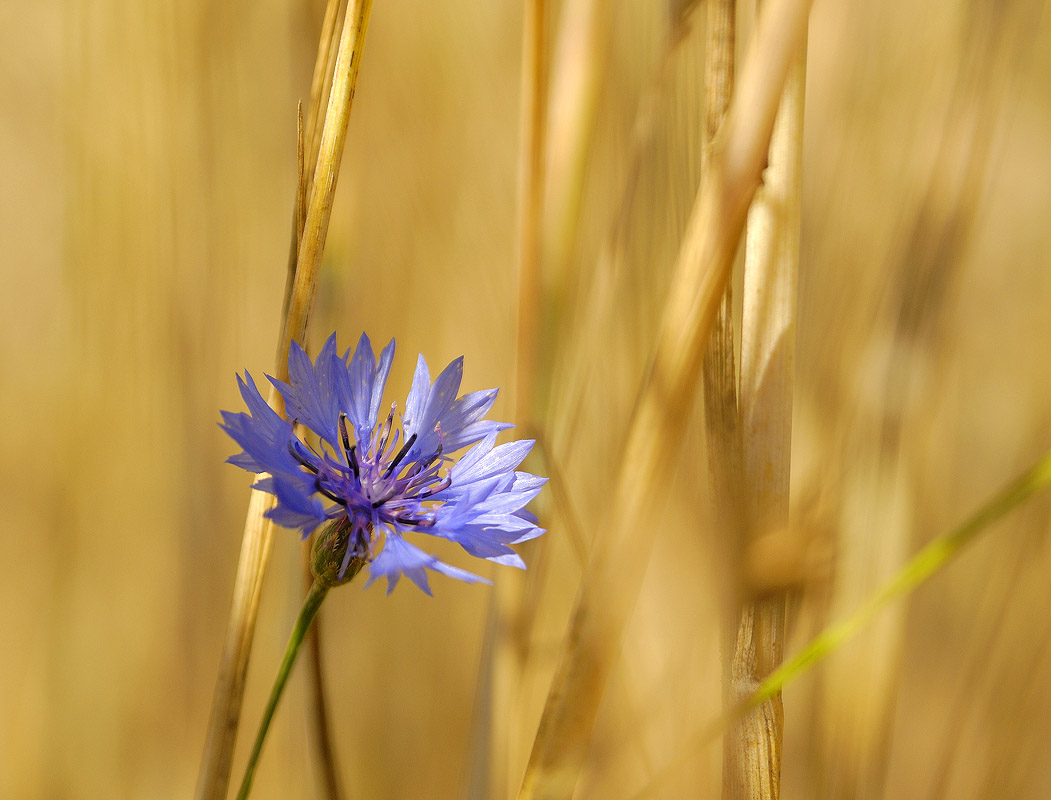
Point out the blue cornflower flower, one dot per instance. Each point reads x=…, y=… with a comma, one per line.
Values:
x=378, y=481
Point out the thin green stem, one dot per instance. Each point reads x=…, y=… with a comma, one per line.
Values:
x=306, y=615
x=922, y=566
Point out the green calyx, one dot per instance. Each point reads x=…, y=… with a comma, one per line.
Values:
x=328, y=551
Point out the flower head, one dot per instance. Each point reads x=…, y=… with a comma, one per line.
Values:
x=379, y=480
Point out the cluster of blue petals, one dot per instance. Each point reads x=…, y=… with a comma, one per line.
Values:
x=387, y=480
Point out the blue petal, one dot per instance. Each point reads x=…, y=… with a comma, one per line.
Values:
x=297, y=506
x=463, y=422
x=532, y=533
x=479, y=541
x=510, y=523
x=484, y=461
x=310, y=395
x=398, y=557
x=430, y=406
x=357, y=392
x=457, y=573
x=529, y=515
x=379, y=382
x=416, y=403
x=360, y=385
x=476, y=454
x=264, y=436
x=510, y=560
x=293, y=520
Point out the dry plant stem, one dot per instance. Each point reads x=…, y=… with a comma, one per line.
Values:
x=330, y=155
x=214, y=776
x=299, y=212
x=928, y=562
x=719, y=371
x=500, y=674
x=752, y=748
x=308, y=131
x=319, y=714
x=578, y=62
x=617, y=563
x=530, y=203
x=321, y=81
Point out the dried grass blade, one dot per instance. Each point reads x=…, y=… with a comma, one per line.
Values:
x=321, y=80
x=330, y=156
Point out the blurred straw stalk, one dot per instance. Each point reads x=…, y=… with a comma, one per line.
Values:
x=148, y=167
x=618, y=559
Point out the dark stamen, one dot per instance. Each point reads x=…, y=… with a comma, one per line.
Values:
x=328, y=494
x=419, y=522
x=300, y=458
x=343, y=431
x=437, y=454
x=401, y=454
x=383, y=500
x=352, y=459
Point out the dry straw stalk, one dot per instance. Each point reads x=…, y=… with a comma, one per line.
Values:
x=214, y=776
x=752, y=748
x=617, y=563
x=500, y=673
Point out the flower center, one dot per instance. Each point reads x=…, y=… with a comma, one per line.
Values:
x=377, y=481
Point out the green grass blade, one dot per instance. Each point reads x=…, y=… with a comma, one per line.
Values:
x=917, y=570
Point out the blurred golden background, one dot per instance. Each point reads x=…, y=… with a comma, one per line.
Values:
x=147, y=175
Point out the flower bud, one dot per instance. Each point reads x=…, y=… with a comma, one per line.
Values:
x=329, y=550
